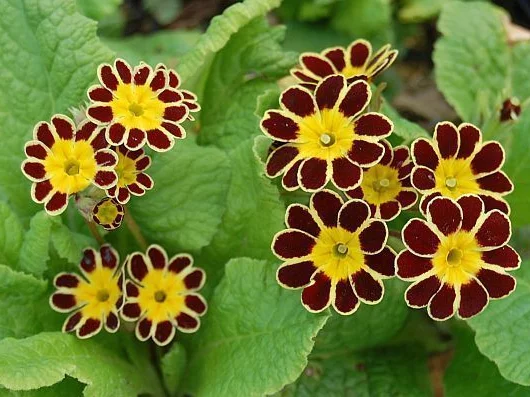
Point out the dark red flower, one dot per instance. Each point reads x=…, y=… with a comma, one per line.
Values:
x=458, y=258
x=108, y=213
x=511, y=109
x=335, y=252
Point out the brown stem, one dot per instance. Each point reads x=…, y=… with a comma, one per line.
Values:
x=395, y=233
x=94, y=231
x=135, y=230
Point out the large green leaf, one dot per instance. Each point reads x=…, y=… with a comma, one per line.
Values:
x=246, y=67
x=97, y=9
x=368, y=327
x=383, y=372
x=255, y=338
x=49, y=57
x=67, y=388
x=45, y=359
x=472, y=374
x=502, y=331
x=10, y=235
x=406, y=130
x=34, y=252
x=185, y=207
x=254, y=214
x=471, y=59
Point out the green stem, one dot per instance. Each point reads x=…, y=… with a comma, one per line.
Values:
x=92, y=227
x=135, y=230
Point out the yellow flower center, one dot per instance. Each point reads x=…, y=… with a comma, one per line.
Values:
x=99, y=294
x=71, y=166
x=325, y=135
x=351, y=71
x=457, y=259
x=126, y=170
x=107, y=212
x=380, y=184
x=137, y=107
x=337, y=253
x=162, y=295
x=454, y=178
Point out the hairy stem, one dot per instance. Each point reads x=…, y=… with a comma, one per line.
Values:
x=135, y=230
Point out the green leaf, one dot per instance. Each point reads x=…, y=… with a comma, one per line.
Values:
x=69, y=245
x=302, y=37
x=468, y=364
x=185, y=207
x=245, y=68
x=164, y=46
x=22, y=298
x=471, y=71
x=97, y=9
x=254, y=214
x=420, y=10
x=221, y=28
x=44, y=359
x=35, y=249
x=173, y=365
x=502, y=330
x=67, y=388
x=255, y=338
x=403, y=128
x=50, y=56
x=384, y=372
x=370, y=326
x=10, y=235
x=164, y=11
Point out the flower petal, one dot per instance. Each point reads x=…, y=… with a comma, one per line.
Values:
x=495, y=230
x=63, y=302
x=318, y=65
x=470, y=138
x=328, y=91
x=195, y=280
x=135, y=139
x=353, y=215
x=317, y=296
x=313, y=174
x=473, y=299
x=159, y=141
x=445, y=214
x=106, y=158
x=164, y=333
x=187, y=323
x=419, y=238
x=355, y=101
x=100, y=114
x=345, y=302
x=295, y=275
x=346, y=175
x=291, y=243
x=56, y=204
x=144, y=329
x=497, y=284
x=158, y=80
x=72, y=322
x=299, y=217
x=337, y=57
x=447, y=139
x=34, y=170
x=105, y=179
x=115, y=134
x=327, y=205
x=137, y=267
x=373, y=125
x=442, y=305
x=63, y=126
x=109, y=257
x=489, y=158
x=420, y=293
x=279, y=127
x=298, y=101
x=112, y=322
x=497, y=182
x=366, y=153
x=426, y=200
x=383, y=262
x=389, y=210
x=424, y=154
x=495, y=203
x=423, y=178
x=368, y=289
x=196, y=303
x=179, y=262
x=124, y=70
x=279, y=159
x=290, y=178
x=505, y=257
x=157, y=256
x=410, y=266
x=36, y=149
x=472, y=207
x=407, y=198
x=107, y=77
x=90, y=328
x=99, y=94
x=373, y=238
x=66, y=280
x=359, y=52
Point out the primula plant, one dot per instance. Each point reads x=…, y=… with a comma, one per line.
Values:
x=287, y=203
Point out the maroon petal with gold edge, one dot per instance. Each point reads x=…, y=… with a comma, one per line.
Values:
x=442, y=304
x=411, y=267
x=346, y=301
x=445, y=214
x=279, y=126
x=295, y=275
x=327, y=205
x=367, y=289
x=317, y=296
x=494, y=230
x=292, y=243
x=299, y=217
x=473, y=299
x=420, y=238
x=420, y=293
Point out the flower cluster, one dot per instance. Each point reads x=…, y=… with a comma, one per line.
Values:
x=335, y=250
x=131, y=108
x=161, y=294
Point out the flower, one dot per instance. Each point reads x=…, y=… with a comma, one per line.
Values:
x=108, y=213
x=335, y=252
x=355, y=63
x=163, y=294
x=326, y=137
x=458, y=258
x=456, y=162
x=137, y=106
x=511, y=109
x=386, y=186
x=131, y=176
x=95, y=298
x=62, y=161
x=190, y=99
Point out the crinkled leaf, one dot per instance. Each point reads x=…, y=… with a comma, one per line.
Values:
x=173, y=365
x=69, y=245
x=255, y=337
x=468, y=364
x=10, y=235
x=185, y=207
x=67, y=388
x=50, y=55
x=471, y=59
x=97, y=9
x=370, y=326
x=35, y=249
x=45, y=359
x=246, y=67
x=254, y=214
x=502, y=330
x=403, y=128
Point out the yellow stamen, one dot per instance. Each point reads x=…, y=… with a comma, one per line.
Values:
x=160, y=296
x=327, y=139
x=135, y=109
x=451, y=182
x=103, y=295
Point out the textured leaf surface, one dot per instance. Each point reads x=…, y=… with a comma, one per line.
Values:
x=403, y=128
x=35, y=249
x=97, y=9
x=185, y=207
x=472, y=374
x=255, y=338
x=254, y=214
x=10, y=235
x=67, y=388
x=49, y=57
x=46, y=358
x=502, y=330
x=368, y=327
x=471, y=71
x=173, y=365
x=400, y=372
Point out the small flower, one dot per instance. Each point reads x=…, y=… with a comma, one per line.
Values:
x=137, y=106
x=511, y=109
x=456, y=162
x=326, y=135
x=108, y=213
x=131, y=176
x=355, y=63
x=190, y=99
x=335, y=252
x=96, y=298
x=458, y=258
x=63, y=161
x=386, y=186
x=163, y=294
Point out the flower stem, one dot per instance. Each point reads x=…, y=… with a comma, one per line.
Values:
x=135, y=230
x=94, y=231
x=395, y=234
